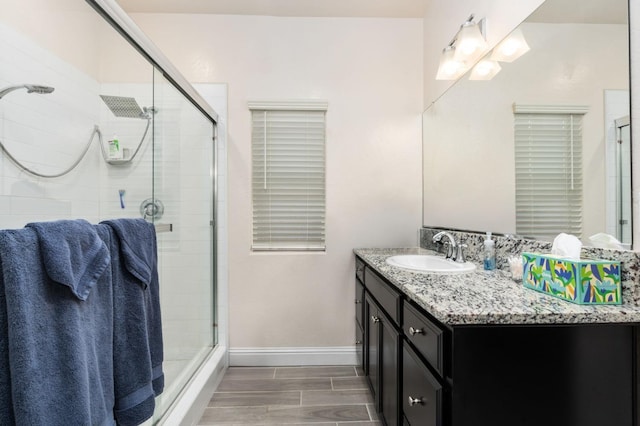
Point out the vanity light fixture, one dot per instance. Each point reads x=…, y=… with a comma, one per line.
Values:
x=467, y=46
x=450, y=68
x=511, y=48
x=486, y=69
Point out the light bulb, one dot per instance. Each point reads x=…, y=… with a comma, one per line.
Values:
x=449, y=68
x=511, y=48
x=468, y=47
x=486, y=69
x=470, y=44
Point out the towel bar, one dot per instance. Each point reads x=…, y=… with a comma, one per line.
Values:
x=164, y=227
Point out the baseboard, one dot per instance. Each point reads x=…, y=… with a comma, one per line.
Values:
x=273, y=357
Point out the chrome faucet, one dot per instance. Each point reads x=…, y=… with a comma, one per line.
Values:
x=452, y=246
x=454, y=249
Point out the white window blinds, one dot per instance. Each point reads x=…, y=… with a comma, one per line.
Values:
x=548, y=163
x=288, y=183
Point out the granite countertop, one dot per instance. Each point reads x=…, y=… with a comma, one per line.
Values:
x=487, y=297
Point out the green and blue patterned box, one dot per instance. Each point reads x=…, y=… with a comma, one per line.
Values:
x=584, y=281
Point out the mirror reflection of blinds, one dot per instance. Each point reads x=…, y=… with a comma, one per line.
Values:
x=548, y=162
x=288, y=183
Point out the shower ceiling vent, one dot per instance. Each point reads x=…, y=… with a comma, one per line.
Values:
x=122, y=106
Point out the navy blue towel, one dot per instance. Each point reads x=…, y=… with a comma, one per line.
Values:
x=138, y=350
x=56, y=318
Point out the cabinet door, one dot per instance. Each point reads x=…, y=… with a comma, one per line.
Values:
x=372, y=332
x=389, y=347
x=358, y=301
x=421, y=392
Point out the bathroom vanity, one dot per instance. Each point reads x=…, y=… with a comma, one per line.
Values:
x=478, y=349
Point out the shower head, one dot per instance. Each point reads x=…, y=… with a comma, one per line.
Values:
x=31, y=88
x=122, y=106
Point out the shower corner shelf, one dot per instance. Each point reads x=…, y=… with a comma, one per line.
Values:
x=119, y=162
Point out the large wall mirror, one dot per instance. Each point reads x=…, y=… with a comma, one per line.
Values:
x=491, y=161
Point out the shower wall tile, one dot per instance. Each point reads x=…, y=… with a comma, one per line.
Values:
x=47, y=133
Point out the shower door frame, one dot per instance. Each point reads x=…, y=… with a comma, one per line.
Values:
x=620, y=193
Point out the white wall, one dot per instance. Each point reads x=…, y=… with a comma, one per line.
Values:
x=370, y=72
x=70, y=29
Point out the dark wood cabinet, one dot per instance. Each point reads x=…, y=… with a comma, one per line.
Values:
x=560, y=375
x=382, y=359
x=424, y=373
x=389, y=346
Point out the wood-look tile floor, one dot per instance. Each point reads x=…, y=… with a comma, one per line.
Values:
x=293, y=396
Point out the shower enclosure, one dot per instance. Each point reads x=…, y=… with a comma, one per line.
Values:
x=92, y=126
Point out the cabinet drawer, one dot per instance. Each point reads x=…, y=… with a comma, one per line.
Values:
x=359, y=302
x=360, y=269
x=387, y=298
x=424, y=335
x=421, y=392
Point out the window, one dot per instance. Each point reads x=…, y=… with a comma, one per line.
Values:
x=548, y=158
x=288, y=182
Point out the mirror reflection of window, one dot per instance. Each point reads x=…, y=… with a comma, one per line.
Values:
x=549, y=172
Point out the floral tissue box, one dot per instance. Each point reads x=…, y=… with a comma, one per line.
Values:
x=584, y=281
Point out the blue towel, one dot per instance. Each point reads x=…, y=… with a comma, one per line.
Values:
x=58, y=302
x=138, y=351
x=72, y=253
x=6, y=405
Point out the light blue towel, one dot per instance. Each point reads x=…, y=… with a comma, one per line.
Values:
x=58, y=302
x=138, y=351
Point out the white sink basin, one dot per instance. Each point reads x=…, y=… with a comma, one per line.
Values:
x=428, y=263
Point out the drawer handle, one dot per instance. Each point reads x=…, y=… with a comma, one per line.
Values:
x=375, y=319
x=414, y=331
x=416, y=401
x=358, y=342
x=358, y=301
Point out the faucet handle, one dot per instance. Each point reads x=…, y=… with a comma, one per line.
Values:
x=460, y=254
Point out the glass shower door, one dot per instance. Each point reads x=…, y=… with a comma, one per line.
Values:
x=182, y=209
